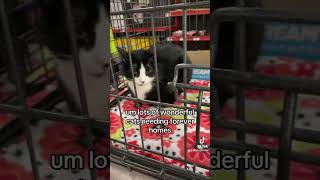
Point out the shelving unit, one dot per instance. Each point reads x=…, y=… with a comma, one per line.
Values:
x=189, y=38
x=167, y=23
x=193, y=16
x=190, y=12
x=144, y=29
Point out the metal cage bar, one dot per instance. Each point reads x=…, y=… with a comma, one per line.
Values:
x=78, y=72
x=155, y=60
x=286, y=132
x=240, y=65
x=185, y=46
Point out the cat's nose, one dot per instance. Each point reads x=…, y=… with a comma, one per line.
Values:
x=142, y=82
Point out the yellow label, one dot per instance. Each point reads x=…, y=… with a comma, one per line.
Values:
x=135, y=42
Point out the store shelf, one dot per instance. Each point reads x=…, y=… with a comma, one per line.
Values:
x=190, y=12
x=189, y=38
x=145, y=29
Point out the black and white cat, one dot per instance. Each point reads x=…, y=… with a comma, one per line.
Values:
x=91, y=29
x=168, y=56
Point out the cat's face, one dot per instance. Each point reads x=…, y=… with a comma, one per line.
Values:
x=143, y=74
x=142, y=65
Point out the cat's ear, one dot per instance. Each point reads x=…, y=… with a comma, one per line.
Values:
x=148, y=54
x=124, y=56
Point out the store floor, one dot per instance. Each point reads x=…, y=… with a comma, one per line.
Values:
x=118, y=172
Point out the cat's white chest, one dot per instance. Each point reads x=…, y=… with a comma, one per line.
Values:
x=141, y=90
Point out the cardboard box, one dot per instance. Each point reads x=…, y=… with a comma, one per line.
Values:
x=199, y=57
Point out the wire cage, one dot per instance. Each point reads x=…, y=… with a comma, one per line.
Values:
x=31, y=95
x=140, y=24
x=278, y=139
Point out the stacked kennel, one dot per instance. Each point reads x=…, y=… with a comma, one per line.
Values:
x=279, y=139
